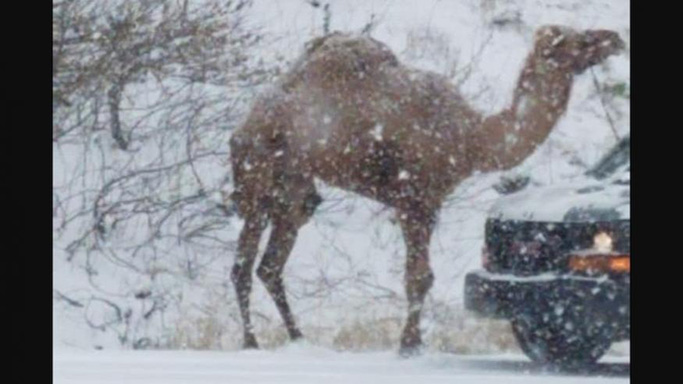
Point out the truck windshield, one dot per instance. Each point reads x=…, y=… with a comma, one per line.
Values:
x=617, y=158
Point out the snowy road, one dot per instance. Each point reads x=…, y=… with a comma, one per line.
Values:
x=302, y=365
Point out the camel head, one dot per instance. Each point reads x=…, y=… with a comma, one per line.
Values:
x=574, y=50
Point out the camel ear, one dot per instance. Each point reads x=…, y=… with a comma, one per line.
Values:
x=548, y=31
x=548, y=37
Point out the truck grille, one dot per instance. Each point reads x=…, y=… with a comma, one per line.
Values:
x=527, y=248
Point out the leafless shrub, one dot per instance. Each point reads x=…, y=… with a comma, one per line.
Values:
x=145, y=94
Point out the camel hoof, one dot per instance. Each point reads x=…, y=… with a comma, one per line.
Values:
x=295, y=335
x=410, y=348
x=408, y=352
x=250, y=342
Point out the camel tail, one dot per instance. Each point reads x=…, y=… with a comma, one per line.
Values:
x=239, y=159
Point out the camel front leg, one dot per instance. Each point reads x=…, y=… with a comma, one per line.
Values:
x=417, y=228
x=247, y=249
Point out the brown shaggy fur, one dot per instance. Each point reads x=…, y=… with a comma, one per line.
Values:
x=350, y=114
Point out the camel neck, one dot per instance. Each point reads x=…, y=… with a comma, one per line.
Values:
x=540, y=98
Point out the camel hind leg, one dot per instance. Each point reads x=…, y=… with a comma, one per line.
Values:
x=270, y=270
x=263, y=192
x=241, y=276
x=294, y=209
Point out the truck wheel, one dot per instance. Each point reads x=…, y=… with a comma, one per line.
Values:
x=556, y=344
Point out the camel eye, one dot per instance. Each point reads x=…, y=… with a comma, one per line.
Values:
x=588, y=41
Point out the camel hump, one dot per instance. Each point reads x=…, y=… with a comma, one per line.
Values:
x=317, y=42
x=338, y=58
x=358, y=44
x=358, y=47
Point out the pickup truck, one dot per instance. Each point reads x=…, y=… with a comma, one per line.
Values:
x=557, y=264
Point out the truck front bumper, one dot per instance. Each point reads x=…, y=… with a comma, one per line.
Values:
x=600, y=300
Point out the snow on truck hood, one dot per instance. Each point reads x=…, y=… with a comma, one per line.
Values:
x=585, y=201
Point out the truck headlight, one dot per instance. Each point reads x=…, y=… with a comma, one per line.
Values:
x=603, y=243
x=600, y=257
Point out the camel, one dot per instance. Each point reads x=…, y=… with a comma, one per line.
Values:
x=351, y=115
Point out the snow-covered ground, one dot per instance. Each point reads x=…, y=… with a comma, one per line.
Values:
x=305, y=364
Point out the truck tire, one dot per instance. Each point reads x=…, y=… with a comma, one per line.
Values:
x=556, y=344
